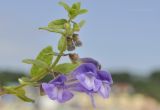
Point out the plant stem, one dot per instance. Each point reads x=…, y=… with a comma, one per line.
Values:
x=57, y=59
x=63, y=49
x=47, y=72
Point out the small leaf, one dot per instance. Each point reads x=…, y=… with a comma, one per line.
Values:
x=76, y=6
x=76, y=27
x=21, y=94
x=37, y=63
x=67, y=26
x=52, y=26
x=28, y=61
x=25, y=98
x=82, y=11
x=26, y=80
x=81, y=23
x=9, y=90
x=40, y=76
x=51, y=30
x=66, y=7
x=18, y=92
x=73, y=13
x=57, y=24
x=65, y=68
x=62, y=44
x=35, y=70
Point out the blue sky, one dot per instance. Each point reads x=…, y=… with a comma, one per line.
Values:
x=121, y=34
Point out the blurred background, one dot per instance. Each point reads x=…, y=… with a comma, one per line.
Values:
x=123, y=35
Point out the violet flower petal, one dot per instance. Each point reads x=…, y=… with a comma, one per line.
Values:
x=78, y=87
x=84, y=68
x=90, y=60
x=51, y=90
x=57, y=90
x=89, y=82
x=66, y=95
x=104, y=90
x=105, y=76
x=59, y=80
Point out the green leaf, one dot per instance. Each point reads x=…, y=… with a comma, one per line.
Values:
x=62, y=44
x=76, y=6
x=67, y=26
x=41, y=75
x=27, y=81
x=18, y=92
x=81, y=23
x=57, y=24
x=35, y=70
x=24, y=80
x=28, y=61
x=65, y=68
x=37, y=63
x=73, y=13
x=9, y=90
x=52, y=26
x=51, y=30
x=83, y=11
x=25, y=98
x=76, y=27
x=21, y=94
x=66, y=7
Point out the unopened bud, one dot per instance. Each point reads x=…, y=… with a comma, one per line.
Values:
x=76, y=40
x=74, y=57
x=75, y=35
x=78, y=43
x=70, y=47
x=70, y=44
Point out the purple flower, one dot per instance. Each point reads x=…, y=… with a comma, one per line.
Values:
x=106, y=80
x=86, y=75
x=87, y=78
x=92, y=80
x=57, y=90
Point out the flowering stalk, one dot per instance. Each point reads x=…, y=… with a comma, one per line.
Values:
x=80, y=75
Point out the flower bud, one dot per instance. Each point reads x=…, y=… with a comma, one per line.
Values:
x=70, y=47
x=76, y=40
x=74, y=57
x=70, y=44
x=78, y=43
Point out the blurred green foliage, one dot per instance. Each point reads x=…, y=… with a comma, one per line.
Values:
x=123, y=77
x=149, y=86
x=7, y=77
x=155, y=76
